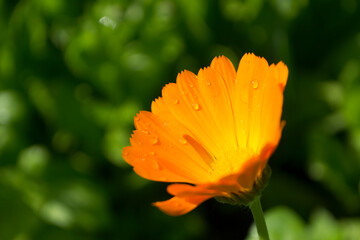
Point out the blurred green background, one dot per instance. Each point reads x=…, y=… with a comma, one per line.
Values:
x=74, y=73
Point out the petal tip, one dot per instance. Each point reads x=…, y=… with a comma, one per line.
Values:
x=283, y=74
x=175, y=206
x=178, y=206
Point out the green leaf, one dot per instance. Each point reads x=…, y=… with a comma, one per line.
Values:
x=283, y=224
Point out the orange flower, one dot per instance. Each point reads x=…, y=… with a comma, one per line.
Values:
x=212, y=133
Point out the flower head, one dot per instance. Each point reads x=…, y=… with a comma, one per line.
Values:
x=211, y=133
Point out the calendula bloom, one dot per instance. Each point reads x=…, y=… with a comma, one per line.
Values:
x=211, y=134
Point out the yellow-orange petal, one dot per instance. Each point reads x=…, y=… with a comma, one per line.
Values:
x=217, y=101
x=258, y=103
x=227, y=71
x=202, y=104
x=190, y=110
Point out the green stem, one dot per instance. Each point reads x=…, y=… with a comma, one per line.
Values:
x=259, y=219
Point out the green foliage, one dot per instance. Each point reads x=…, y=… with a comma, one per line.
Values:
x=74, y=73
x=283, y=223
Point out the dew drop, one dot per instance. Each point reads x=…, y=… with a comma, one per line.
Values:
x=152, y=153
x=182, y=141
x=156, y=165
x=255, y=84
x=191, y=85
x=155, y=140
x=208, y=83
x=146, y=132
x=175, y=101
x=195, y=106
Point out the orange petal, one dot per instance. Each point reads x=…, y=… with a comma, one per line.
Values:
x=247, y=175
x=226, y=70
x=258, y=104
x=186, y=198
x=159, y=152
x=283, y=72
x=174, y=108
x=185, y=190
x=190, y=111
x=150, y=168
x=271, y=100
x=177, y=206
x=202, y=104
x=217, y=101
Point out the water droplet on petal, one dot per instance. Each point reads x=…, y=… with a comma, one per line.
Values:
x=191, y=85
x=157, y=166
x=175, y=101
x=208, y=83
x=182, y=141
x=195, y=106
x=155, y=140
x=146, y=132
x=152, y=153
x=255, y=84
